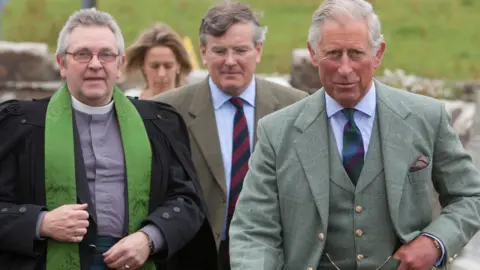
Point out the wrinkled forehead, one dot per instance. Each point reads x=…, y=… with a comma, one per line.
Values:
x=345, y=21
x=92, y=38
x=344, y=31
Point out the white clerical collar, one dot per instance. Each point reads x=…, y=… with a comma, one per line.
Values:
x=79, y=106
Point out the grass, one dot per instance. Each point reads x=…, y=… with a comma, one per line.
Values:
x=431, y=38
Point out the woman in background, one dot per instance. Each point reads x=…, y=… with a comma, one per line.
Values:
x=159, y=54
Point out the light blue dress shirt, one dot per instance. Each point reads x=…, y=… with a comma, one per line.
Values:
x=364, y=117
x=224, y=114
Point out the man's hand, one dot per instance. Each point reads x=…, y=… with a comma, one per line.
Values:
x=67, y=223
x=132, y=250
x=419, y=254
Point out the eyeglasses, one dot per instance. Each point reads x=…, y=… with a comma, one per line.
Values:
x=86, y=56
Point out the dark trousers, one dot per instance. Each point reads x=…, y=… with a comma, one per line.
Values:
x=223, y=256
x=103, y=244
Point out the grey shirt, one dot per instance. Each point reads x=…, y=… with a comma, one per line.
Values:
x=103, y=157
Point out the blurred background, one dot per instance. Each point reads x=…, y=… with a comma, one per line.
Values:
x=432, y=45
x=429, y=38
x=433, y=48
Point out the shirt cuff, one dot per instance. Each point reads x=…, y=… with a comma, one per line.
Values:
x=39, y=223
x=156, y=236
x=440, y=260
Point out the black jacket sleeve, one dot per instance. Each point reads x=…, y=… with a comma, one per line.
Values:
x=181, y=212
x=18, y=216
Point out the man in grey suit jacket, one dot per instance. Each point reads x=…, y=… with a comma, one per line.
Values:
x=340, y=179
x=221, y=111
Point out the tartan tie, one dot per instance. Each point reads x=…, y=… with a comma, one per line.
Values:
x=240, y=154
x=353, y=152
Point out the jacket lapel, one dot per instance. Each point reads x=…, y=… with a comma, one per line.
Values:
x=312, y=150
x=265, y=103
x=204, y=131
x=396, y=140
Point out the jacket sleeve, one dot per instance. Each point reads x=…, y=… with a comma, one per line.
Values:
x=182, y=212
x=18, y=221
x=255, y=231
x=458, y=184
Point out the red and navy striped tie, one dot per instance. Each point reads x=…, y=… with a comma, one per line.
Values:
x=240, y=154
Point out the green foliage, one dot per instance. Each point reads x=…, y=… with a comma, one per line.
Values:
x=429, y=38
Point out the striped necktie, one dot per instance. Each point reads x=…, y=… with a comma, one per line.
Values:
x=353, y=152
x=240, y=154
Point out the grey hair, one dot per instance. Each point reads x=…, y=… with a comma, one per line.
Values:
x=222, y=16
x=89, y=17
x=357, y=9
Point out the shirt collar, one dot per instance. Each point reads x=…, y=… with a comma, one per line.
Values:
x=84, y=108
x=219, y=97
x=367, y=105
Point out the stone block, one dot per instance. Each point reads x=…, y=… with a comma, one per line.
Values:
x=24, y=61
x=303, y=75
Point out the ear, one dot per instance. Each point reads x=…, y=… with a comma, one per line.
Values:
x=203, y=53
x=379, y=55
x=313, y=55
x=120, y=66
x=259, y=49
x=61, y=64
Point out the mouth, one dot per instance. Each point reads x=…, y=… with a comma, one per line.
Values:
x=230, y=73
x=161, y=84
x=345, y=85
x=93, y=79
x=230, y=76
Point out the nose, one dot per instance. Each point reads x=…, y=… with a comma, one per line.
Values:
x=95, y=63
x=230, y=61
x=161, y=72
x=345, y=67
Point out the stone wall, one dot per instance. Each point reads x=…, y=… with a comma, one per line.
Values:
x=27, y=70
x=27, y=90
x=303, y=75
x=27, y=62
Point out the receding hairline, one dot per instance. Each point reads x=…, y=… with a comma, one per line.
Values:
x=89, y=17
x=344, y=21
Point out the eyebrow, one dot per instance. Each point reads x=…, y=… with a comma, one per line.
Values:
x=331, y=50
x=241, y=47
x=341, y=50
x=88, y=49
x=226, y=47
x=162, y=62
